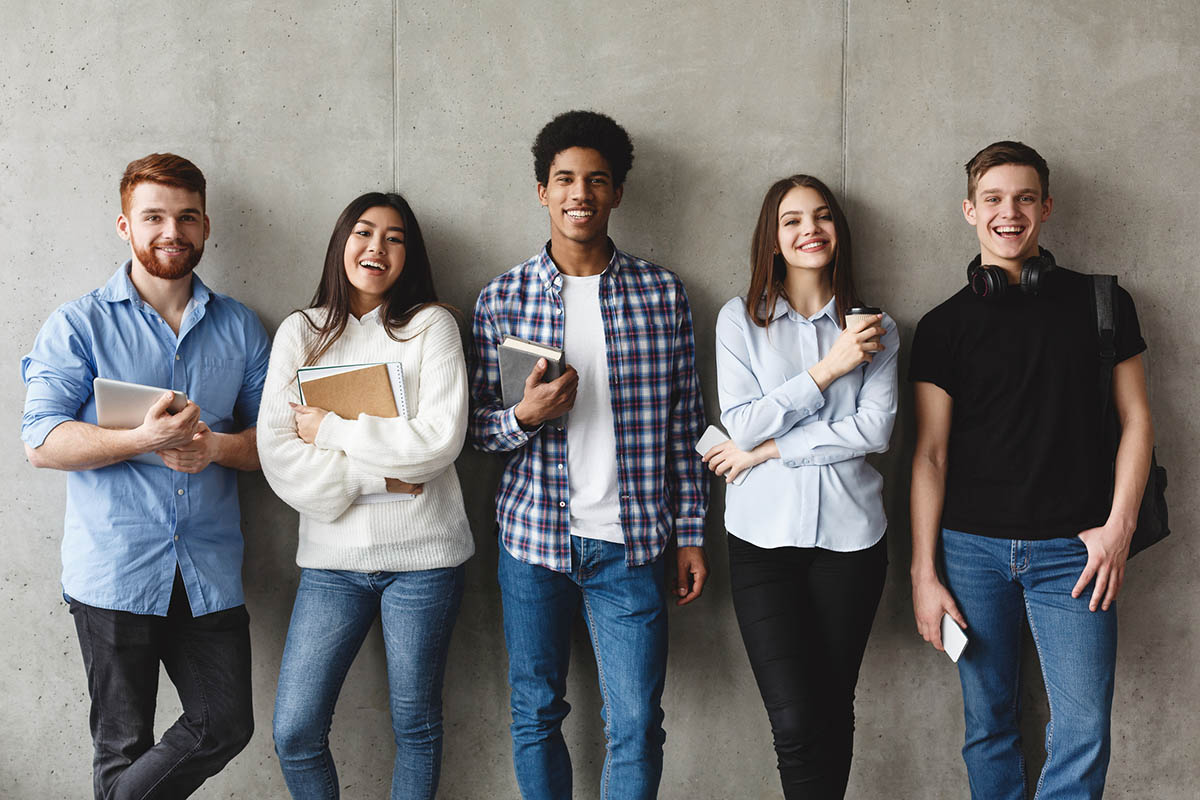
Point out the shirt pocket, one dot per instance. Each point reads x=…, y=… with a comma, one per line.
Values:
x=215, y=385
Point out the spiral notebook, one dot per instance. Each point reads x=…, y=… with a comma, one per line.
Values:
x=352, y=389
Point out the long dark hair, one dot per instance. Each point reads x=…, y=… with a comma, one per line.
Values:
x=768, y=268
x=411, y=292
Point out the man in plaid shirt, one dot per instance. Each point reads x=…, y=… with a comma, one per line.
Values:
x=586, y=510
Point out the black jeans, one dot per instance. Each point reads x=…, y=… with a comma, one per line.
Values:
x=805, y=615
x=208, y=660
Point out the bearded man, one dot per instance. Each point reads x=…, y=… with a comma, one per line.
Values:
x=152, y=552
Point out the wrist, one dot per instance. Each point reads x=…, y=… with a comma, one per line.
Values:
x=217, y=450
x=923, y=572
x=1122, y=523
x=820, y=374
x=136, y=441
x=525, y=417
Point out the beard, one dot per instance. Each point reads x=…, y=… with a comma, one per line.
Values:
x=168, y=268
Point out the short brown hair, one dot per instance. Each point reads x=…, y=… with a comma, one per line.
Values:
x=165, y=168
x=999, y=153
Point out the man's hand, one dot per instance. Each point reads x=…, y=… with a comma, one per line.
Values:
x=691, y=572
x=930, y=600
x=1108, y=549
x=397, y=486
x=194, y=456
x=162, y=430
x=308, y=421
x=543, y=401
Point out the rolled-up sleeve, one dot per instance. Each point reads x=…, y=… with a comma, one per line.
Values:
x=258, y=355
x=492, y=427
x=58, y=375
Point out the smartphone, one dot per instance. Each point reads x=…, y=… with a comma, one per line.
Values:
x=713, y=437
x=953, y=638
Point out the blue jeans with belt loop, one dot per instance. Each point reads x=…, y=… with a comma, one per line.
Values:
x=997, y=583
x=334, y=611
x=626, y=617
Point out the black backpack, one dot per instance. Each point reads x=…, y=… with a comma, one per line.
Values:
x=1152, y=516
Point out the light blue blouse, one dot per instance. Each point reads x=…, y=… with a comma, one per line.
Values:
x=821, y=492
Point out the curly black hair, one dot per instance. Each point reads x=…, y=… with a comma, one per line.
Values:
x=583, y=129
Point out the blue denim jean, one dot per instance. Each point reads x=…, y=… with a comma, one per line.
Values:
x=997, y=583
x=626, y=617
x=334, y=611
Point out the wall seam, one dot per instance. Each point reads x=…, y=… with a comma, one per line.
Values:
x=395, y=98
x=845, y=60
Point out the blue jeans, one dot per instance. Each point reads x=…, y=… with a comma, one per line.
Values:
x=626, y=618
x=996, y=583
x=333, y=612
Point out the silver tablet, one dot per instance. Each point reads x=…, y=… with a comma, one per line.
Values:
x=123, y=405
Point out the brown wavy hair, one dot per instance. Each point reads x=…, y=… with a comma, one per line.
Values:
x=165, y=168
x=411, y=292
x=768, y=268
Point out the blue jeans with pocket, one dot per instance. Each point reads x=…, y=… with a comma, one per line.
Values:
x=626, y=617
x=334, y=610
x=997, y=583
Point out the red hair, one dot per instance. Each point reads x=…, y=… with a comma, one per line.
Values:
x=165, y=168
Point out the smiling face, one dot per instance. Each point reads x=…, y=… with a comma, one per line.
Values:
x=579, y=196
x=374, y=257
x=1008, y=210
x=807, y=236
x=166, y=228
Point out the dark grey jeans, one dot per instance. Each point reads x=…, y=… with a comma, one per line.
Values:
x=208, y=660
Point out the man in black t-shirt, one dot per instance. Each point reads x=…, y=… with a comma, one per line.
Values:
x=1012, y=487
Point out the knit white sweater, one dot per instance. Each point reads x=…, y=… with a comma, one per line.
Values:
x=352, y=457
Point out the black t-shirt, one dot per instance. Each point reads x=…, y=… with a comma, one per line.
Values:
x=1026, y=453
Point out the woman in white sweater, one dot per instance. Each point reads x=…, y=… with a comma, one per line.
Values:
x=382, y=526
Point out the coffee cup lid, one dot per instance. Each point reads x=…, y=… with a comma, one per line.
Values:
x=858, y=310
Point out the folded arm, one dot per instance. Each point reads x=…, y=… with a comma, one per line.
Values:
x=750, y=415
x=317, y=482
x=417, y=449
x=867, y=430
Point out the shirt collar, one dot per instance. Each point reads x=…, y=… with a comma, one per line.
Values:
x=372, y=317
x=782, y=307
x=120, y=288
x=549, y=273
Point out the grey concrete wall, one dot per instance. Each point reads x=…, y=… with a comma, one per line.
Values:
x=292, y=109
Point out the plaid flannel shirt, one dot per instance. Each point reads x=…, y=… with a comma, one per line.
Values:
x=657, y=410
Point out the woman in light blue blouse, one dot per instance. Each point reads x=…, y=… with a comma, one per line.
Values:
x=805, y=396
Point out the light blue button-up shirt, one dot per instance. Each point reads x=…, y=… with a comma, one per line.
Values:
x=821, y=492
x=129, y=524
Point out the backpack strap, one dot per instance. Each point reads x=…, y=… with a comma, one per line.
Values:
x=1103, y=291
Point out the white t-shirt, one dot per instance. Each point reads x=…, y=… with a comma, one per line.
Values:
x=591, y=435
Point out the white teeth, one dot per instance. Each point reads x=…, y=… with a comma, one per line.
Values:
x=812, y=246
x=1009, y=229
x=579, y=214
x=371, y=265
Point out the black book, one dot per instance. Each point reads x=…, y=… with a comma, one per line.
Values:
x=517, y=359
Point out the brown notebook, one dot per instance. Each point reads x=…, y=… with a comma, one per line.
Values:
x=367, y=390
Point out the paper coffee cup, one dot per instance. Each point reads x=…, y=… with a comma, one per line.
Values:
x=856, y=315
